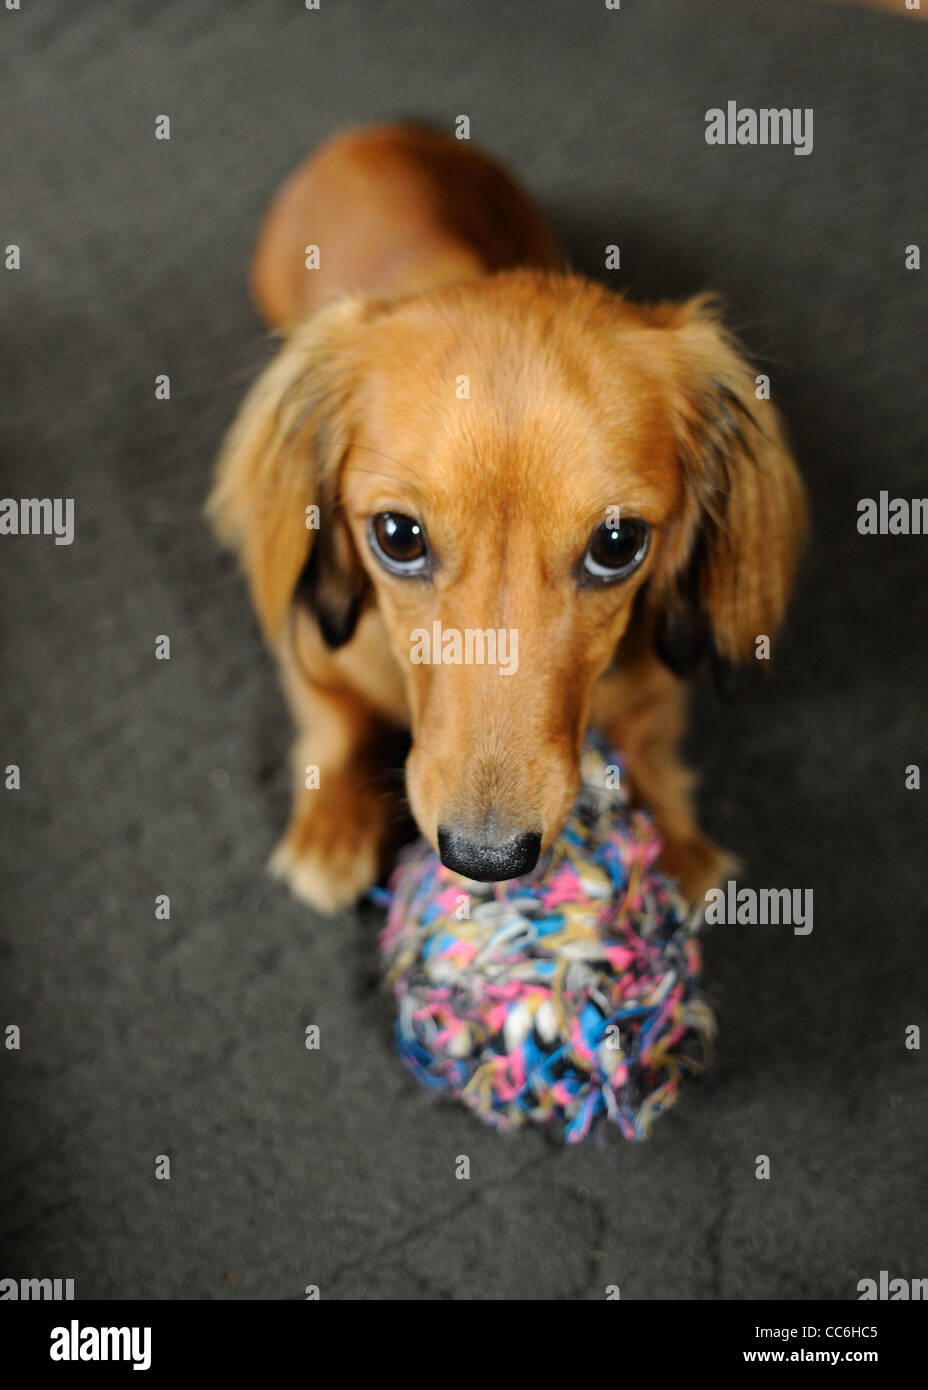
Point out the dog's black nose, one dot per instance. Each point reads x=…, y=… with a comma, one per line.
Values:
x=492, y=862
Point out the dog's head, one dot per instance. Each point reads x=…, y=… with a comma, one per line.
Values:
x=509, y=468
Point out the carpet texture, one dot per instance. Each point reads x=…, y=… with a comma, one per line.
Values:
x=140, y=1037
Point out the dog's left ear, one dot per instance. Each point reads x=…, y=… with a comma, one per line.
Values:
x=730, y=561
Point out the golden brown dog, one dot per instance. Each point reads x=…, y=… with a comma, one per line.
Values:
x=458, y=437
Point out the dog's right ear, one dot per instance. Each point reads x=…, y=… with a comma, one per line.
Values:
x=276, y=495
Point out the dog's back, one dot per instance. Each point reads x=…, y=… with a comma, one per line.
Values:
x=391, y=209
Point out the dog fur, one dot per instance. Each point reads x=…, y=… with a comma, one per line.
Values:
x=434, y=266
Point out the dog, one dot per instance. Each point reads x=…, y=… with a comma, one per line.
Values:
x=458, y=435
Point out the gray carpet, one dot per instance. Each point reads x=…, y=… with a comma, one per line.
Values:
x=142, y=1037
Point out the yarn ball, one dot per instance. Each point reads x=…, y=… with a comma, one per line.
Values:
x=557, y=998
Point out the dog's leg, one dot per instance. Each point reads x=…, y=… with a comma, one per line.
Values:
x=347, y=793
x=641, y=709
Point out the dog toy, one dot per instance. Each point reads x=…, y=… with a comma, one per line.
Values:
x=560, y=997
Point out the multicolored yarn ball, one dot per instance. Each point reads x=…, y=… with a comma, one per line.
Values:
x=560, y=997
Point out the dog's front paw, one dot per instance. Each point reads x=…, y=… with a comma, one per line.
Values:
x=696, y=864
x=327, y=861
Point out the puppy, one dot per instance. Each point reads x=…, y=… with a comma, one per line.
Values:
x=459, y=437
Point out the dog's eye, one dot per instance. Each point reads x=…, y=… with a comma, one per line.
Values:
x=398, y=542
x=614, y=551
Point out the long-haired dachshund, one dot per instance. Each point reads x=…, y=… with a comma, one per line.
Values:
x=459, y=437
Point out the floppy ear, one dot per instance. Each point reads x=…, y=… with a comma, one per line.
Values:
x=730, y=565
x=275, y=497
